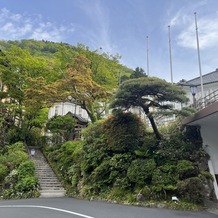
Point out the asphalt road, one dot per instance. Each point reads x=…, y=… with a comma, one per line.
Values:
x=73, y=208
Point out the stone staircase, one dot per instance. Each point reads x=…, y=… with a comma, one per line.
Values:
x=49, y=184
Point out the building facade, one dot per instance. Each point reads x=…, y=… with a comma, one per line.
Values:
x=207, y=118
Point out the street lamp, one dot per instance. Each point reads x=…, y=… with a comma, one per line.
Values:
x=193, y=91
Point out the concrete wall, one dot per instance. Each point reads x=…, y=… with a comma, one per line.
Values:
x=209, y=134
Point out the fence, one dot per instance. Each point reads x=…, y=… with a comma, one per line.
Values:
x=207, y=100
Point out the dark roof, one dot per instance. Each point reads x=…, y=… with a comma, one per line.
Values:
x=78, y=117
x=211, y=77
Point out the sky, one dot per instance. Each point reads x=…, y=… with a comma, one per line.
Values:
x=135, y=29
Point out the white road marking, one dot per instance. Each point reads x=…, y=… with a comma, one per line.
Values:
x=49, y=208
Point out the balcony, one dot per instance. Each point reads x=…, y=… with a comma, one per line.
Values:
x=207, y=100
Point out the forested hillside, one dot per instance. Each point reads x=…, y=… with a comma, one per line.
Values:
x=33, y=76
x=36, y=74
x=105, y=67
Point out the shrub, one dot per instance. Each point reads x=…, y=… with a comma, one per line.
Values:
x=3, y=172
x=10, y=180
x=73, y=174
x=26, y=184
x=147, y=192
x=191, y=189
x=124, y=132
x=61, y=126
x=141, y=170
x=72, y=149
x=122, y=183
x=120, y=162
x=16, y=157
x=3, y=159
x=118, y=194
x=18, y=146
x=26, y=169
x=163, y=182
x=161, y=178
x=186, y=168
x=21, y=181
x=101, y=173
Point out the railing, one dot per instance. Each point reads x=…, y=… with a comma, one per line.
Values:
x=207, y=100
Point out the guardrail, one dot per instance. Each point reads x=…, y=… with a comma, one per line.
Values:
x=207, y=100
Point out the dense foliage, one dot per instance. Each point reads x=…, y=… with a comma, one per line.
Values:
x=61, y=128
x=36, y=74
x=150, y=94
x=118, y=160
x=17, y=173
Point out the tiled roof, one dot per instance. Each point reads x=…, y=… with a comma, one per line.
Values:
x=80, y=118
x=211, y=77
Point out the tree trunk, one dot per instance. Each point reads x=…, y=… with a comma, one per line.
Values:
x=153, y=124
x=90, y=112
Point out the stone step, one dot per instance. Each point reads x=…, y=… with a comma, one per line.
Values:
x=46, y=176
x=45, y=170
x=52, y=193
x=42, y=171
x=49, y=173
x=49, y=179
x=51, y=188
x=59, y=187
x=49, y=183
x=42, y=166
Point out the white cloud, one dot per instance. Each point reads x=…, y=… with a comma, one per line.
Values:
x=101, y=34
x=23, y=26
x=207, y=32
x=183, y=23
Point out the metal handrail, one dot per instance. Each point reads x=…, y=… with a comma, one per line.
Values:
x=207, y=100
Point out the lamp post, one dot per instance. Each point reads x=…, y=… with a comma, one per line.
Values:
x=193, y=91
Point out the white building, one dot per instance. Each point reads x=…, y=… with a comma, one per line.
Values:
x=63, y=108
x=207, y=118
x=210, y=85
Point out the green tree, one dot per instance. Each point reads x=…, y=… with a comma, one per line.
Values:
x=78, y=84
x=147, y=93
x=138, y=72
x=61, y=126
x=19, y=65
x=104, y=67
x=38, y=96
